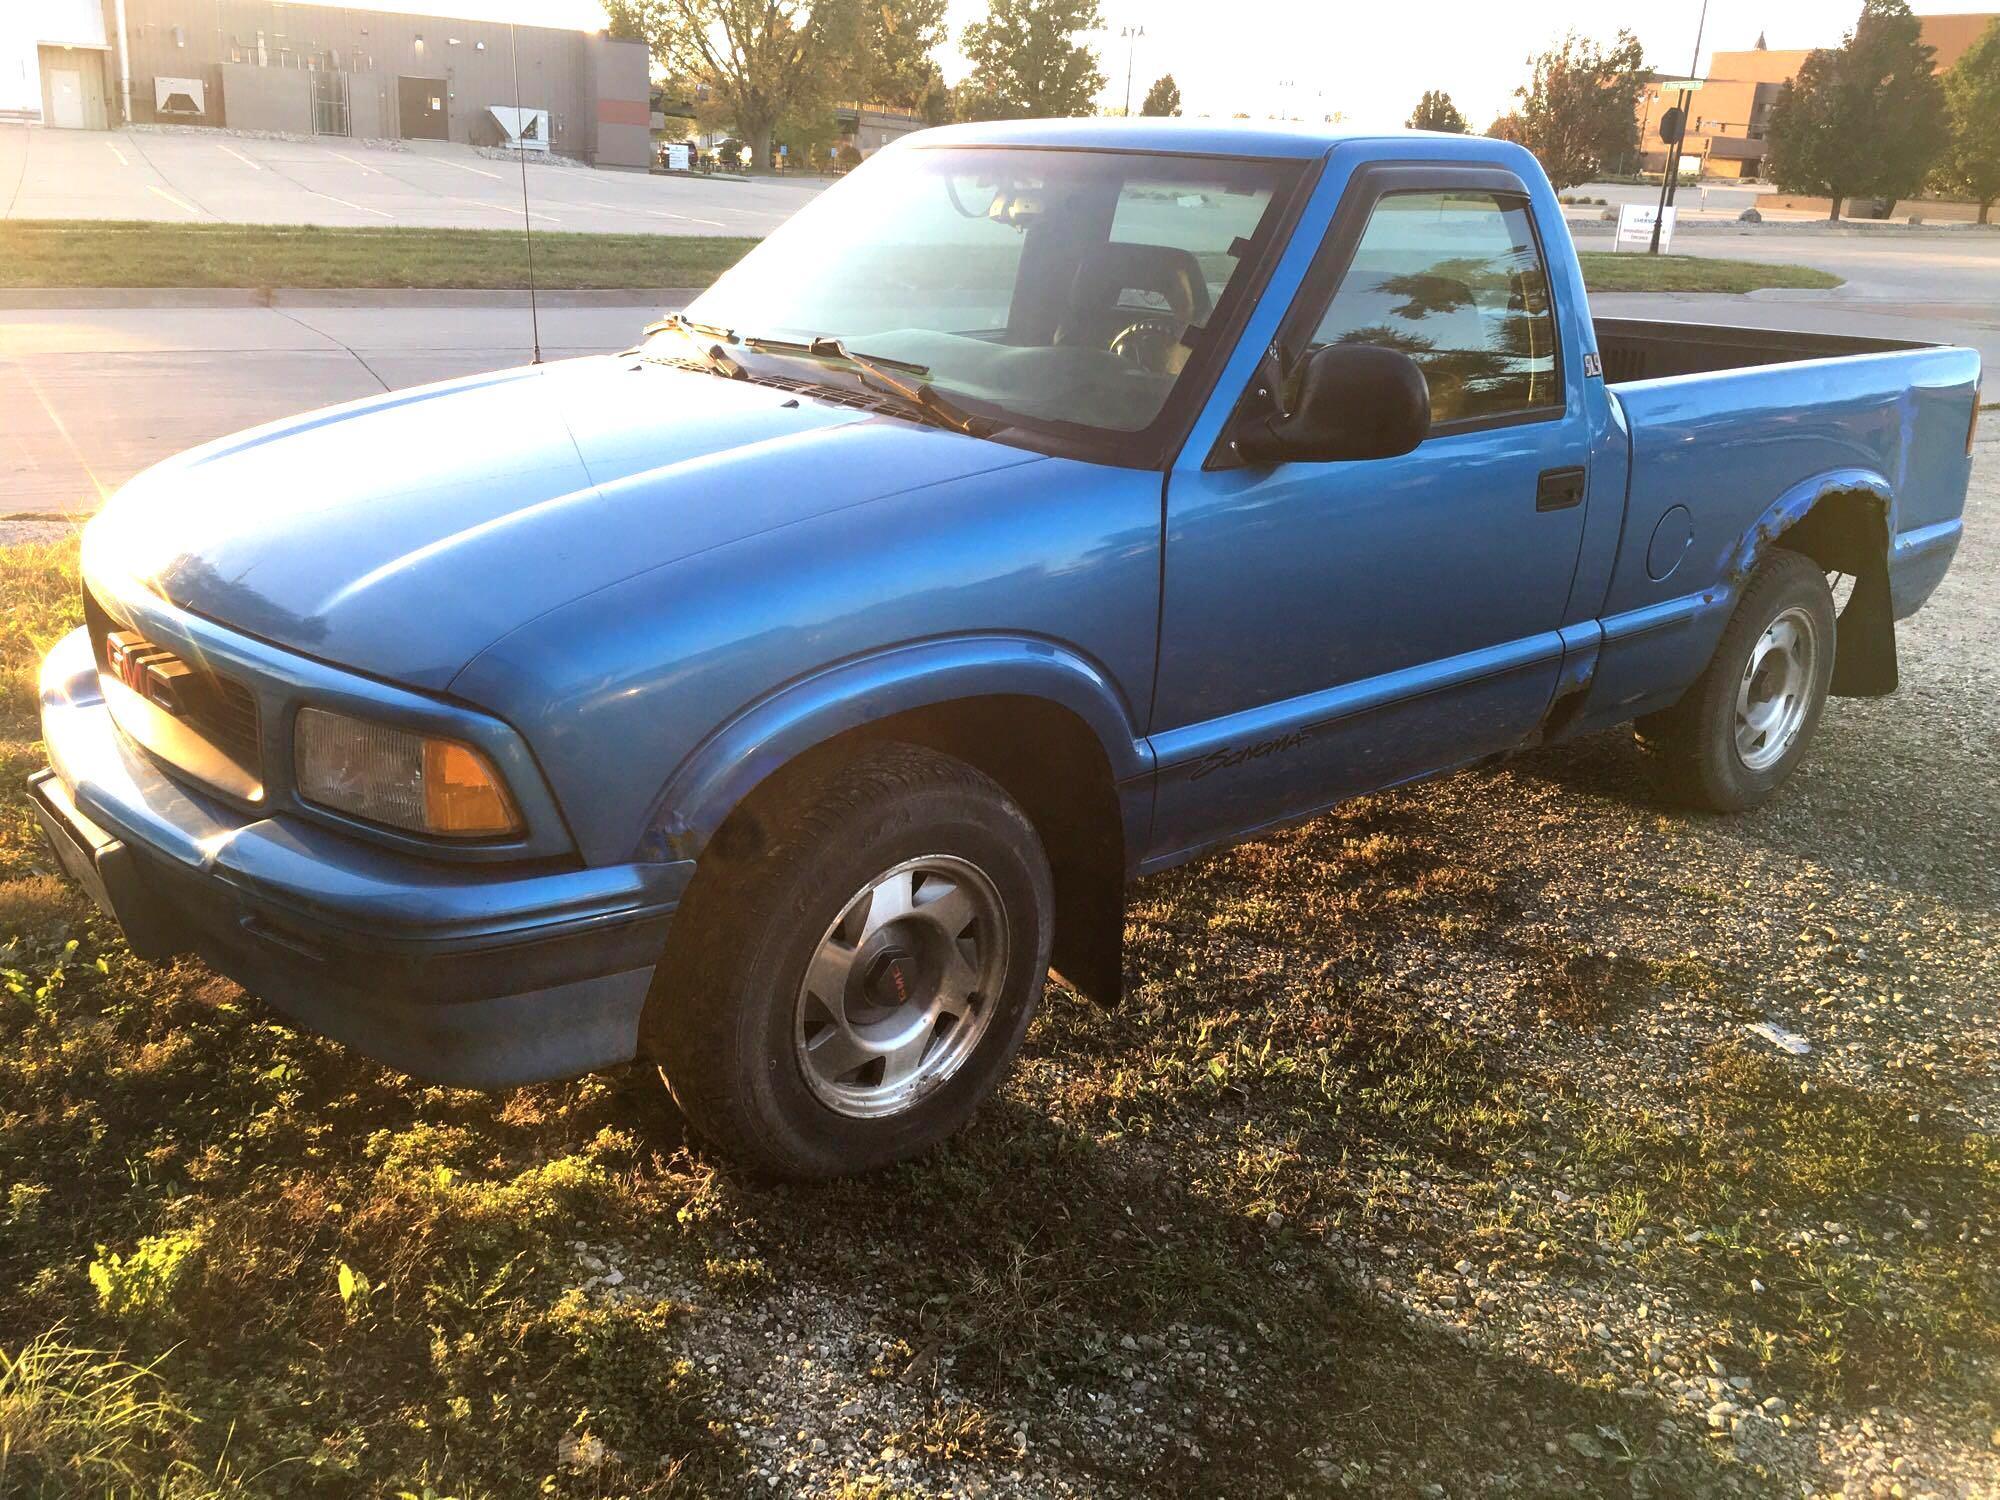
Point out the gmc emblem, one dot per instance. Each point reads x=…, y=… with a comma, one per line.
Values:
x=154, y=674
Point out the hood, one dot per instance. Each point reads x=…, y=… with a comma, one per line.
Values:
x=401, y=535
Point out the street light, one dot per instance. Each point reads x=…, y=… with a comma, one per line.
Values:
x=1130, y=36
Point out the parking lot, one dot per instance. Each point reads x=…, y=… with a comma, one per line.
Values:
x=186, y=175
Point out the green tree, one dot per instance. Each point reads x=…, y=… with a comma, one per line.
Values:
x=1027, y=61
x=1970, y=166
x=895, y=64
x=1435, y=111
x=1866, y=118
x=937, y=106
x=1580, y=107
x=762, y=61
x=1163, y=98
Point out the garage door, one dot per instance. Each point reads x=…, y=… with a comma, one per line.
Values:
x=420, y=104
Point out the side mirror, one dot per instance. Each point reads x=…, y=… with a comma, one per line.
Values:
x=1351, y=401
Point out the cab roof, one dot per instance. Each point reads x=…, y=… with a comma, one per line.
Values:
x=1190, y=137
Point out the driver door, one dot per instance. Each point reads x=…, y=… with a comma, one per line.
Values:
x=1333, y=628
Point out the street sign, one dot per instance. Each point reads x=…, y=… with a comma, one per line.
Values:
x=1672, y=123
x=1635, y=226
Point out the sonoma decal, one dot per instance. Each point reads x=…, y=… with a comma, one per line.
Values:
x=1228, y=759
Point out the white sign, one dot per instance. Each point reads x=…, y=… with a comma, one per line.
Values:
x=179, y=96
x=680, y=157
x=1635, y=226
x=525, y=129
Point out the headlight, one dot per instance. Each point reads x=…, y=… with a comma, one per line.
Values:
x=399, y=777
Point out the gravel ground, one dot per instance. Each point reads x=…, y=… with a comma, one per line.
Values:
x=1520, y=1133
x=1857, y=912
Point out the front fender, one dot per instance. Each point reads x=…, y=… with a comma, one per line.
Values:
x=730, y=763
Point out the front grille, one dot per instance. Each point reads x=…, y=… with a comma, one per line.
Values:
x=219, y=708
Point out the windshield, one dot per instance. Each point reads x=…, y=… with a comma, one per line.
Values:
x=1067, y=292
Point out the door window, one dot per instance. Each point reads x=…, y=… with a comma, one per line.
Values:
x=1455, y=280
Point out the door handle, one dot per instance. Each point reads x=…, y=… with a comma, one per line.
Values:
x=1559, y=489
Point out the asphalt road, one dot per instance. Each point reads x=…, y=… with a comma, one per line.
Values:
x=204, y=176
x=90, y=396
x=92, y=391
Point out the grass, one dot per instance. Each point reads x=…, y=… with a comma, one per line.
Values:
x=1629, y=271
x=84, y=253
x=73, y=253
x=235, y=1260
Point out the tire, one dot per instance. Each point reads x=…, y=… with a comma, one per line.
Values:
x=822, y=930
x=1785, y=614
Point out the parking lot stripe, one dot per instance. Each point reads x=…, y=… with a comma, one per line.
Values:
x=177, y=202
x=371, y=171
x=362, y=207
x=253, y=166
x=448, y=162
x=117, y=153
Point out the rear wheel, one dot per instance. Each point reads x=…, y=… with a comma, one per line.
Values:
x=860, y=964
x=1746, y=722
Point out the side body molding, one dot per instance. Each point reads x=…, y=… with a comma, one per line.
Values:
x=729, y=764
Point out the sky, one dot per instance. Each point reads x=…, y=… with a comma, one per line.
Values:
x=1368, y=62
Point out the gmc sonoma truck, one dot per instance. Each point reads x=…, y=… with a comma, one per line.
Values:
x=1048, y=502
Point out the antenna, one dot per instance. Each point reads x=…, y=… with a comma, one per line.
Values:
x=527, y=226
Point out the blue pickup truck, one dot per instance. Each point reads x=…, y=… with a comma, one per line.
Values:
x=779, y=700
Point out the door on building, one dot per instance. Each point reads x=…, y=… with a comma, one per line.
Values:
x=421, y=107
x=330, y=111
x=66, y=98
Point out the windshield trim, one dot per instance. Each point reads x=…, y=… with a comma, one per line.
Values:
x=1155, y=445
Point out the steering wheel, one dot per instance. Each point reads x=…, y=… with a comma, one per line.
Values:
x=1149, y=342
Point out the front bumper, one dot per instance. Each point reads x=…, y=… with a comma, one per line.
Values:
x=469, y=974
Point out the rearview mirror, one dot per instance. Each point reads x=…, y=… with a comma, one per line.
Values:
x=1351, y=401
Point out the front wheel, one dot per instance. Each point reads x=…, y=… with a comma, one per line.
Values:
x=1746, y=722
x=861, y=962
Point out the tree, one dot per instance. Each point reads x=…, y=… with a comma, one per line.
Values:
x=1580, y=107
x=1435, y=111
x=1509, y=127
x=895, y=64
x=760, y=60
x=1163, y=98
x=1026, y=60
x=1971, y=162
x=937, y=106
x=1864, y=119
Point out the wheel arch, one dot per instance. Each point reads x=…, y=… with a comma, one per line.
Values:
x=1041, y=720
x=1843, y=520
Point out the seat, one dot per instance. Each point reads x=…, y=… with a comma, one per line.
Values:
x=1098, y=310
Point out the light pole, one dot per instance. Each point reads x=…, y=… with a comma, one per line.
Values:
x=1130, y=36
x=1673, y=168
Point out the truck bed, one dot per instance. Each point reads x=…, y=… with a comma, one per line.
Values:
x=1647, y=349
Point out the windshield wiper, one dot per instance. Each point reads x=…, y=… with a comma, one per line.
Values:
x=704, y=337
x=887, y=373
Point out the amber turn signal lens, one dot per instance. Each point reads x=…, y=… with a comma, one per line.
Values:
x=462, y=792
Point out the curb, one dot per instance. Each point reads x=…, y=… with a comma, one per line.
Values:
x=28, y=299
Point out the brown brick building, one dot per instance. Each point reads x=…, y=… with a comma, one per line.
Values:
x=1730, y=112
x=322, y=70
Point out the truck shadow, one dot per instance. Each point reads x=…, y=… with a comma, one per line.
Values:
x=1918, y=820
x=1152, y=1332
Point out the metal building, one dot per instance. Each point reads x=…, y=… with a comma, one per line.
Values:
x=325, y=70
